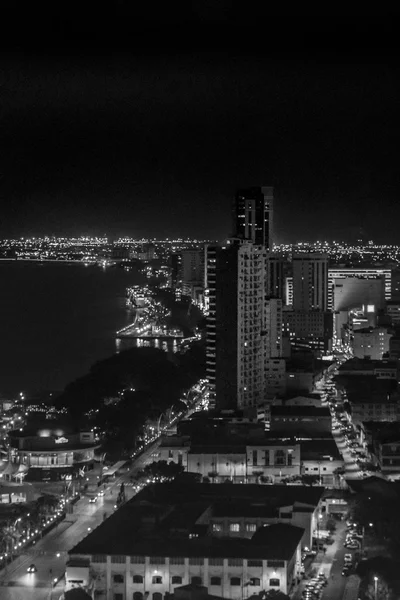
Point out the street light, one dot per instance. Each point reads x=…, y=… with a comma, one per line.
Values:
x=376, y=587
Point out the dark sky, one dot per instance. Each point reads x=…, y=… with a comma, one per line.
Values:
x=147, y=130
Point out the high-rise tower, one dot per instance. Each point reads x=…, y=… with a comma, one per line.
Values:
x=253, y=216
x=243, y=327
x=310, y=282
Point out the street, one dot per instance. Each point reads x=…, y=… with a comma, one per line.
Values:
x=50, y=554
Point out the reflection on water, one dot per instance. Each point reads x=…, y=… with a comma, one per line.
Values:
x=166, y=345
x=56, y=320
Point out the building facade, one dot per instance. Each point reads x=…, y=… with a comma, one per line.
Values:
x=238, y=339
x=51, y=454
x=372, y=343
x=253, y=215
x=310, y=282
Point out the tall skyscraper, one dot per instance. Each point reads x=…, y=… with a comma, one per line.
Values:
x=253, y=215
x=275, y=276
x=243, y=327
x=310, y=282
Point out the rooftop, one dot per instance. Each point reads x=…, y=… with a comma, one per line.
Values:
x=318, y=449
x=123, y=534
x=315, y=411
x=227, y=493
x=146, y=524
x=360, y=364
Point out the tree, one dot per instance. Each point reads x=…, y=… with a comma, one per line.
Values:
x=160, y=470
x=310, y=479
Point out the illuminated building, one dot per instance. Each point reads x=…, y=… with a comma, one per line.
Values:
x=243, y=327
x=353, y=292
x=52, y=453
x=314, y=328
x=335, y=274
x=253, y=215
x=310, y=282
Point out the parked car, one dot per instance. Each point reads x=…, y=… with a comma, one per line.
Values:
x=352, y=545
x=348, y=558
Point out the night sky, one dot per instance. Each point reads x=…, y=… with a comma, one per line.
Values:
x=149, y=131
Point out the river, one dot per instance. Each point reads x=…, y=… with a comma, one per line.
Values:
x=56, y=319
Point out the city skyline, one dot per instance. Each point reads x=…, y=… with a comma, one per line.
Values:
x=144, y=143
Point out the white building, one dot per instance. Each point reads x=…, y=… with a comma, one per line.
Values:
x=139, y=555
x=336, y=273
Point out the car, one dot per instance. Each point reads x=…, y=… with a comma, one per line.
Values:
x=351, y=545
x=348, y=558
x=101, y=493
x=346, y=570
x=93, y=499
x=32, y=568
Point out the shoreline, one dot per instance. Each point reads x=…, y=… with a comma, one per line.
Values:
x=52, y=260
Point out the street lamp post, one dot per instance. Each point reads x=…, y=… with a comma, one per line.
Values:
x=375, y=588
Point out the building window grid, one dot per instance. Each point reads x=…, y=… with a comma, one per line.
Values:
x=235, y=562
x=195, y=560
x=176, y=560
x=138, y=560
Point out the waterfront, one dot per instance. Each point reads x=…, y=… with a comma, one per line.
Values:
x=56, y=320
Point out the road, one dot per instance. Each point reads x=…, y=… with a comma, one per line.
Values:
x=50, y=554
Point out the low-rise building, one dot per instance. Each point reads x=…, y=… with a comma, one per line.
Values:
x=300, y=418
x=381, y=369
x=52, y=453
x=301, y=380
x=376, y=407
x=323, y=459
x=389, y=455
x=169, y=537
x=371, y=343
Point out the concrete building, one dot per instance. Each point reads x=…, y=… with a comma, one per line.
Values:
x=314, y=328
x=52, y=453
x=310, y=282
x=337, y=273
x=253, y=216
x=167, y=537
x=240, y=334
x=372, y=343
x=142, y=565
x=388, y=454
x=295, y=419
x=374, y=408
x=394, y=348
x=393, y=312
x=380, y=369
x=275, y=277
x=301, y=380
x=353, y=292
x=321, y=458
